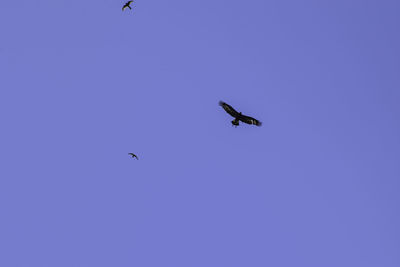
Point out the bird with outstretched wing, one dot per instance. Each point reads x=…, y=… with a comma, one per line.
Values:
x=127, y=5
x=238, y=115
x=133, y=156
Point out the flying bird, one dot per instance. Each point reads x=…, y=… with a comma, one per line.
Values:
x=238, y=115
x=133, y=155
x=127, y=5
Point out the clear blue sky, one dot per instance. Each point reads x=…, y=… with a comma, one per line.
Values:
x=83, y=84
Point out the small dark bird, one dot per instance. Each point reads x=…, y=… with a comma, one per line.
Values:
x=127, y=5
x=133, y=155
x=238, y=115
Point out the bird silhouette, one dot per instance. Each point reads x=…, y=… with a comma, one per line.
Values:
x=127, y=5
x=238, y=115
x=133, y=156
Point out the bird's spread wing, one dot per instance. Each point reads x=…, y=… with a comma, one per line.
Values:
x=230, y=110
x=127, y=4
x=133, y=155
x=249, y=120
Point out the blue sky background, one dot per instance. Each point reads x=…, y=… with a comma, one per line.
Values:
x=83, y=83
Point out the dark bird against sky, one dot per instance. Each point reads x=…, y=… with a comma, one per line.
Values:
x=238, y=115
x=127, y=5
x=133, y=155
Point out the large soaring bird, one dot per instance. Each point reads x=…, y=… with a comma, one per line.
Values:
x=133, y=155
x=127, y=5
x=238, y=115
